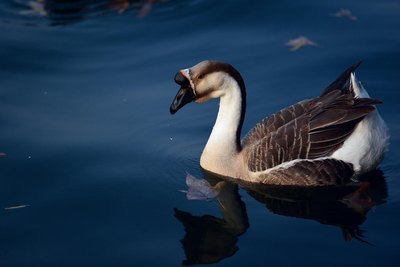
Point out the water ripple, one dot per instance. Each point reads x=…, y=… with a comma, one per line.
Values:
x=63, y=12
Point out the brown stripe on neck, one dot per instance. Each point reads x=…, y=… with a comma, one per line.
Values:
x=216, y=66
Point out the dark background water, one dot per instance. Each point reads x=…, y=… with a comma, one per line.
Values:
x=89, y=146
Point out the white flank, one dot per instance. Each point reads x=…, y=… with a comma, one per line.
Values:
x=366, y=145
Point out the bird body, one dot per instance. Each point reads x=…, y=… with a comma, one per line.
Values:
x=321, y=141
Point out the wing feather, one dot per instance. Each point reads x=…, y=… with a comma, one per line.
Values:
x=309, y=129
x=319, y=172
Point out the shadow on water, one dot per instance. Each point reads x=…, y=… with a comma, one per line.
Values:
x=209, y=239
x=62, y=12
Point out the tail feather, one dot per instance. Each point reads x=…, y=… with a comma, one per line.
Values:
x=342, y=80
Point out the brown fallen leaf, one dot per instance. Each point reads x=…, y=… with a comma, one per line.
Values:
x=120, y=5
x=35, y=8
x=299, y=42
x=344, y=12
x=146, y=8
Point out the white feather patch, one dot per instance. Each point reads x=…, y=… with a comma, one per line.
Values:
x=366, y=146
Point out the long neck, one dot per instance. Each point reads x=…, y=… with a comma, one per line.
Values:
x=224, y=142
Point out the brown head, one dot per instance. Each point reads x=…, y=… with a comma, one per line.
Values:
x=204, y=81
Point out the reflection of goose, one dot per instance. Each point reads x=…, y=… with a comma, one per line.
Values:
x=209, y=239
x=320, y=141
x=345, y=207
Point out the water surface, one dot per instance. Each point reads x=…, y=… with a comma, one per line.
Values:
x=89, y=147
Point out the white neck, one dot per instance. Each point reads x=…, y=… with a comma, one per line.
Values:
x=221, y=150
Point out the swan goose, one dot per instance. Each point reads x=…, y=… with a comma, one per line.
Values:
x=321, y=141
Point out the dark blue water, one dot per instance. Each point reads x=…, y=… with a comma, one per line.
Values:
x=95, y=162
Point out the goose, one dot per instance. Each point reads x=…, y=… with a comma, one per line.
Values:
x=326, y=140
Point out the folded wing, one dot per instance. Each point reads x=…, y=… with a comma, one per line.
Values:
x=310, y=129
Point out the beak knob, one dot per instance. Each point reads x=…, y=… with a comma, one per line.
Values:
x=181, y=79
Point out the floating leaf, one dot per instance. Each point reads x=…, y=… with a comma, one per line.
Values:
x=120, y=5
x=146, y=8
x=36, y=8
x=199, y=189
x=345, y=13
x=299, y=42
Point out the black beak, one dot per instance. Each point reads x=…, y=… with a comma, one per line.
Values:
x=185, y=94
